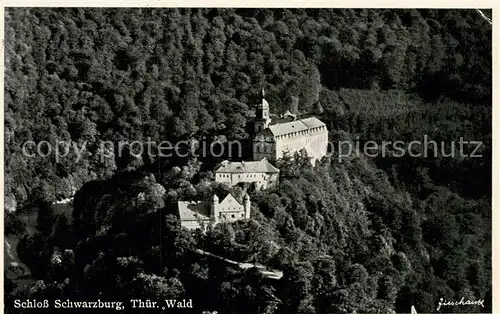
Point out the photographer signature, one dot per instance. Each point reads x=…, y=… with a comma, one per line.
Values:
x=443, y=302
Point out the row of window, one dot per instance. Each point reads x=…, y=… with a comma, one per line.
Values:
x=248, y=175
x=229, y=208
x=232, y=216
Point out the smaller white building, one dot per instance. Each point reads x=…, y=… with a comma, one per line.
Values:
x=262, y=173
x=200, y=215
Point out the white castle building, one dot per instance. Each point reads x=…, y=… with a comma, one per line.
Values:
x=200, y=215
x=275, y=138
x=261, y=173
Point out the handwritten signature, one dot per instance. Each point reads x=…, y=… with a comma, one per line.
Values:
x=443, y=302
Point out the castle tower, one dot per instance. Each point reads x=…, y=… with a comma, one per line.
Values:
x=262, y=118
x=214, y=209
x=246, y=205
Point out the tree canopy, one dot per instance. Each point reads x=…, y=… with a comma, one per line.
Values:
x=358, y=234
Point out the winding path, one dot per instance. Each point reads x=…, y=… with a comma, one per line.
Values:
x=272, y=274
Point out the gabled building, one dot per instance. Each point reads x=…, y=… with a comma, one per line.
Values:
x=200, y=215
x=272, y=139
x=262, y=173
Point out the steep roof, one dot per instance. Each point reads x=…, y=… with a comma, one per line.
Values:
x=193, y=211
x=295, y=126
x=246, y=166
x=230, y=199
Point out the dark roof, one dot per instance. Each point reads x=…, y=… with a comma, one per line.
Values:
x=193, y=210
x=295, y=126
x=262, y=166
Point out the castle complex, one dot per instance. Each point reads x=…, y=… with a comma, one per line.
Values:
x=194, y=215
x=273, y=139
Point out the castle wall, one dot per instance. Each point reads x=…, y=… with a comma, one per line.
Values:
x=315, y=142
x=224, y=178
x=194, y=224
x=231, y=216
x=272, y=180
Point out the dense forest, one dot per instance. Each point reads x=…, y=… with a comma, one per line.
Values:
x=358, y=234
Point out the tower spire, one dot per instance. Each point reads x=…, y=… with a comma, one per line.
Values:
x=262, y=117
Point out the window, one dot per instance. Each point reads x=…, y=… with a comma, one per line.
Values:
x=232, y=216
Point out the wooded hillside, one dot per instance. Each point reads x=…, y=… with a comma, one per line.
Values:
x=364, y=234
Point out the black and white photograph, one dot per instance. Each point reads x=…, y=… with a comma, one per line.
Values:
x=247, y=160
